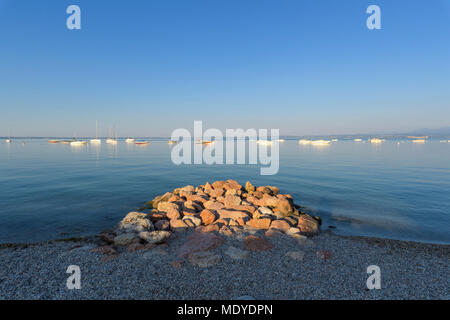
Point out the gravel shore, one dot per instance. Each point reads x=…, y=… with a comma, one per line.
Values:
x=409, y=270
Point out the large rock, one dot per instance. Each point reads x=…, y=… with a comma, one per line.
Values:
x=155, y=237
x=192, y=221
x=166, y=206
x=232, y=200
x=255, y=243
x=308, y=225
x=213, y=205
x=249, y=187
x=204, y=259
x=136, y=222
x=280, y=225
x=125, y=239
x=207, y=217
x=173, y=214
x=199, y=241
x=284, y=207
x=232, y=214
x=165, y=197
x=178, y=224
x=260, y=223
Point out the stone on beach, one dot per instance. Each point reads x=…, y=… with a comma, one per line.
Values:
x=135, y=222
x=155, y=237
x=255, y=243
x=308, y=225
x=125, y=239
x=199, y=241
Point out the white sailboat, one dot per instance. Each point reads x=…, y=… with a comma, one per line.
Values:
x=112, y=140
x=96, y=140
x=129, y=140
x=9, y=137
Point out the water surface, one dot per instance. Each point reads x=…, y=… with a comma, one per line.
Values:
x=396, y=189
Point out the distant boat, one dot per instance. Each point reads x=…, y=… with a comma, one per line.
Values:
x=112, y=140
x=264, y=142
x=9, y=137
x=142, y=142
x=334, y=140
x=419, y=141
x=53, y=141
x=320, y=143
x=200, y=141
x=357, y=140
x=78, y=143
x=129, y=140
x=96, y=140
x=303, y=141
x=66, y=142
x=172, y=142
x=376, y=140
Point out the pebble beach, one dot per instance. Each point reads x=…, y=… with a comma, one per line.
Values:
x=223, y=241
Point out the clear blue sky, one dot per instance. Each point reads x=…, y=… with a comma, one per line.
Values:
x=306, y=67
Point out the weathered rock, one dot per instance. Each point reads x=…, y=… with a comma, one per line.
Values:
x=199, y=241
x=269, y=201
x=173, y=214
x=166, y=206
x=204, y=259
x=218, y=184
x=207, y=217
x=296, y=255
x=165, y=197
x=274, y=189
x=210, y=228
x=236, y=253
x=255, y=243
x=107, y=237
x=217, y=192
x=284, y=207
x=178, y=224
x=232, y=214
x=213, y=205
x=292, y=231
x=162, y=225
x=226, y=231
x=231, y=201
x=192, y=221
x=135, y=222
x=232, y=184
x=155, y=237
x=125, y=239
x=259, y=223
x=249, y=187
x=280, y=225
x=188, y=188
x=308, y=225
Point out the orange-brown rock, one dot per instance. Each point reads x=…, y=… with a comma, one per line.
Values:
x=199, y=241
x=269, y=201
x=259, y=223
x=231, y=200
x=232, y=214
x=157, y=216
x=258, y=194
x=178, y=223
x=213, y=205
x=284, y=207
x=249, y=187
x=221, y=222
x=217, y=192
x=165, y=206
x=232, y=184
x=207, y=217
x=274, y=189
x=226, y=231
x=210, y=228
x=173, y=214
x=308, y=225
x=218, y=184
x=281, y=225
x=255, y=243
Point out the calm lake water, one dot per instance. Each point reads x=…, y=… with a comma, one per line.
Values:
x=396, y=189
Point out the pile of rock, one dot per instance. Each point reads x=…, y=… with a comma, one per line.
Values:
x=224, y=207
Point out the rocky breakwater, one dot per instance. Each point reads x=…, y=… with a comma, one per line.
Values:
x=213, y=212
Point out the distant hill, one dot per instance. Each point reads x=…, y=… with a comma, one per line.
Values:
x=432, y=132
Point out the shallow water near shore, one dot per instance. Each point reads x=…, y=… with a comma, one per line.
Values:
x=396, y=189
